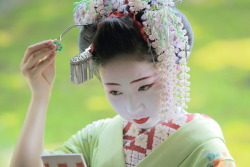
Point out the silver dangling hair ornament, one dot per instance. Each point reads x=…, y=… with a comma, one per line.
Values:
x=82, y=65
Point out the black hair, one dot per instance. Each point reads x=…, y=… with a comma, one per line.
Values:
x=116, y=37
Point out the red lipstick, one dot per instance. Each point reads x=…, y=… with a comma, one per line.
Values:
x=141, y=121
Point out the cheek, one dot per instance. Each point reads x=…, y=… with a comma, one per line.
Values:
x=117, y=103
x=152, y=100
x=159, y=87
x=153, y=96
x=157, y=91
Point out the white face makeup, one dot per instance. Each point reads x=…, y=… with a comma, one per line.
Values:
x=133, y=90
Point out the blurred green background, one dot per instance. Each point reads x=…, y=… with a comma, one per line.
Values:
x=220, y=65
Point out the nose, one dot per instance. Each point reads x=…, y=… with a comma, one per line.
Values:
x=134, y=105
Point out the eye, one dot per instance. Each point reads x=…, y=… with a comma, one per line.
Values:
x=115, y=93
x=145, y=87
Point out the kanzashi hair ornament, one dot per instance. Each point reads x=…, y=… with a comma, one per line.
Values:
x=59, y=39
x=82, y=65
x=166, y=35
x=59, y=46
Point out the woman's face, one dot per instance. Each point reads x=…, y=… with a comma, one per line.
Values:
x=133, y=90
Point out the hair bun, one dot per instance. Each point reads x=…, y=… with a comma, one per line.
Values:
x=86, y=36
x=187, y=26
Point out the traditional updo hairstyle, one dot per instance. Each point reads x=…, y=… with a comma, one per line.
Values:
x=114, y=37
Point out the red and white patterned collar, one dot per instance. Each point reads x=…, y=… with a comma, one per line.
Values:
x=137, y=143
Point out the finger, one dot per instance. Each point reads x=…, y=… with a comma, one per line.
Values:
x=49, y=71
x=45, y=63
x=34, y=48
x=44, y=58
x=52, y=54
x=35, y=58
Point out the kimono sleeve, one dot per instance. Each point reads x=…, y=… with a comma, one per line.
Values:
x=84, y=141
x=212, y=153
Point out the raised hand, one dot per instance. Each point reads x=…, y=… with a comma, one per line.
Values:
x=38, y=67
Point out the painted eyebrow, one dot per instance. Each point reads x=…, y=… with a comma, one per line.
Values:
x=137, y=80
x=140, y=79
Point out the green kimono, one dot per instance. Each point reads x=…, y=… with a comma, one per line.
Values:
x=199, y=143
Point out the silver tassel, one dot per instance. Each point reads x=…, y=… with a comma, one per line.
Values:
x=82, y=67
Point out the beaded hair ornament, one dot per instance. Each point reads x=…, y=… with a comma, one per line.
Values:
x=163, y=31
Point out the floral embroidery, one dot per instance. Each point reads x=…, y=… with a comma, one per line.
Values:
x=138, y=144
x=219, y=160
x=142, y=141
x=162, y=131
x=180, y=120
x=133, y=131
